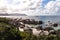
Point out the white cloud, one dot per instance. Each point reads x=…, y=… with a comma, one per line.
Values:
x=1, y=3
x=31, y=7
x=53, y=7
x=22, y=4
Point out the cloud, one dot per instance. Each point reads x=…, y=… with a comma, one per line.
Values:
x=32, y=7
x=1, y=3
x=51, y=8
x=21, y=4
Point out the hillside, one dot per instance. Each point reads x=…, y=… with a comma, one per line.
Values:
x=9, y=32
x=12, y=14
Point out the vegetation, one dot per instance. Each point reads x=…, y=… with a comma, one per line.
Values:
x=9, y=32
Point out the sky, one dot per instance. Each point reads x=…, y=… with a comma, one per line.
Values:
x=31, y=7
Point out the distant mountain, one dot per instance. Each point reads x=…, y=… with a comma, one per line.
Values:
x=12, y=14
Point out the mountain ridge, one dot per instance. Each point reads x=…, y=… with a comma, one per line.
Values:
x=12, y=14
